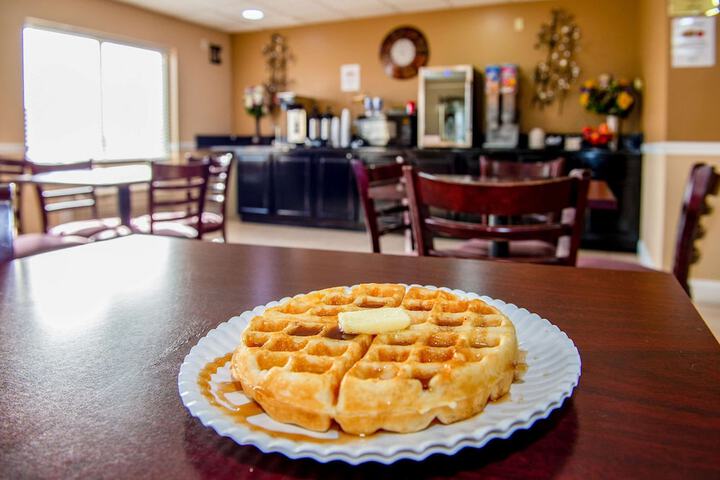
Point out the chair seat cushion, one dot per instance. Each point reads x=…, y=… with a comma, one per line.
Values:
x=34, y=243
x=211, y=221
x=85, y=228
x=168, y=228
x=610, y=264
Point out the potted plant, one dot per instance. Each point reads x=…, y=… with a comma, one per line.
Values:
x=610, y=97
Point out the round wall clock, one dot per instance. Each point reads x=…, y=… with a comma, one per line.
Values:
x=403, y=52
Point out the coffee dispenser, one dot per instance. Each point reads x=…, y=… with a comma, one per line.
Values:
x=501, y=88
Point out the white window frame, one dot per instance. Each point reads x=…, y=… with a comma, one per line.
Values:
x=169, y=59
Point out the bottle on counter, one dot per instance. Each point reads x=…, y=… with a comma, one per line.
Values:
x=335, y=132
x=345, y=124
x=314, y=125
x=325, y=120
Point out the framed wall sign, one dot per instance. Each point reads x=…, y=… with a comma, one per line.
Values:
x=693, y=42
x=350, y=77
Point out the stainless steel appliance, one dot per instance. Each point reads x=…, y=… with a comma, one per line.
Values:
x=446, y=106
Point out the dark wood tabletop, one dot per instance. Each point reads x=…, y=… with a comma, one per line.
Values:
x=600, y=197
x=93, y=338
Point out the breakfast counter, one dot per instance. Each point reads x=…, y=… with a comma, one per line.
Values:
x=316, y=187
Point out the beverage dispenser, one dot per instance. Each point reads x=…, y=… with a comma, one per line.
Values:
x=501, y=88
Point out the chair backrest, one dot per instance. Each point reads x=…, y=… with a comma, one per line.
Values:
x=219, y=174
x=547, y=197
x=366, y=177
x=7, y=228
x=11, y=166
x=178, y=187
x=495, y=168
x=703, y=181
x=8, y=168
x=53, y=200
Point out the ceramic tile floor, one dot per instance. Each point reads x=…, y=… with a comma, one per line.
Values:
x=354, y=241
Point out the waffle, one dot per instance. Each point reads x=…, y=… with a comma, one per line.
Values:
x=455, y=356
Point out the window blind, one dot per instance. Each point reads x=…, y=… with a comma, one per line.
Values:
x=86, y=97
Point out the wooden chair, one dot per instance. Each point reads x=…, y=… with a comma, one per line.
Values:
x=8, y=168
x=176, y=198
x=504, y=169
x=702, y=182
x=12, y=246
x=70, y=199
x=213, y=218
x=381, y=183
x=548, y=197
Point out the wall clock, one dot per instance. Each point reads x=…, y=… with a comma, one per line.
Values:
x=403, y=52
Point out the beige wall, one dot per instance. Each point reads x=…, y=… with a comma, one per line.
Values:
x=654, y=62
x=204, y=90
x=477, y=36
x=693, y=101
x=679, y=105
x=664, y=180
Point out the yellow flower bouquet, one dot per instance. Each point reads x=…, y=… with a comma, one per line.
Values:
x=608, y=96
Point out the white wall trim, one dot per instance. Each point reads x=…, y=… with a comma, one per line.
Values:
x=644, y=256
x=699, y=149
x=705, y=290
x=12, y=148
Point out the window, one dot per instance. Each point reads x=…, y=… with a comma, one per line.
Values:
x=90, y=98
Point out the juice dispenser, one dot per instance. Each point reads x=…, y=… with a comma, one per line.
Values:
x=501, y=88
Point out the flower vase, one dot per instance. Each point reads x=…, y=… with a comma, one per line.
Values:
x=613, y=124
x=256, y=137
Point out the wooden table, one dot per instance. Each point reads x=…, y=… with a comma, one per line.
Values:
x=599, y=194
x=600, y=197
x=93, y=338
x=121, y=177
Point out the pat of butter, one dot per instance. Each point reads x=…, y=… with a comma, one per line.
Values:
x=374, y=320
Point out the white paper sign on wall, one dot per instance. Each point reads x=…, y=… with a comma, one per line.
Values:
x=693, y=42
x=350, y=77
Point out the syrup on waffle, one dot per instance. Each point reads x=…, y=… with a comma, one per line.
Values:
x=455, y=356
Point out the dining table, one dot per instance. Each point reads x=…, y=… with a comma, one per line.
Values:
x=121, y=177
x=94, y=337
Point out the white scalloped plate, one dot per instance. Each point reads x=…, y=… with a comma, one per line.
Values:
x=553, y=371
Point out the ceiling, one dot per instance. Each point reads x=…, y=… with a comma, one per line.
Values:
x=226, y=14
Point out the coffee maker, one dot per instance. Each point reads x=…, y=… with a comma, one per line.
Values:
x=293, y=118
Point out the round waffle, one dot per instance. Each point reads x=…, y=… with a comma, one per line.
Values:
x=455, y=356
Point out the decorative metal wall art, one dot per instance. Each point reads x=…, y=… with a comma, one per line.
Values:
x=277, y=55
x=555, y=74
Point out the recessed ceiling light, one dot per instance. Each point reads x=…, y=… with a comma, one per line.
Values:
x=253, y=14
